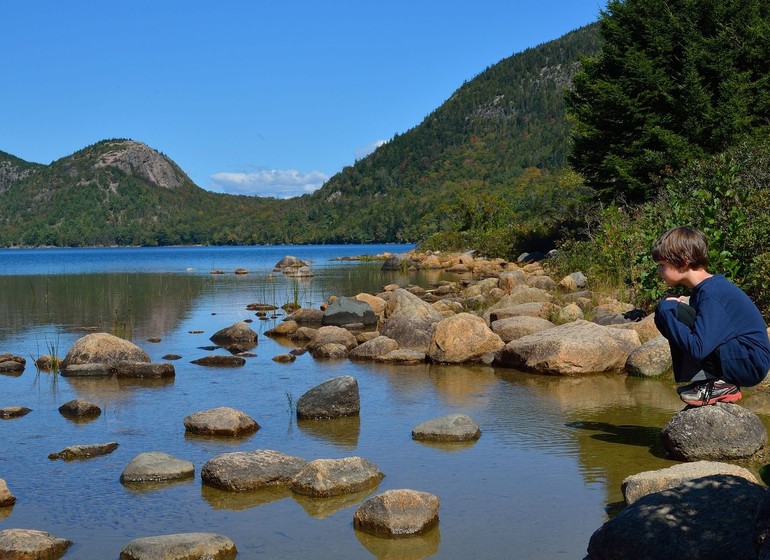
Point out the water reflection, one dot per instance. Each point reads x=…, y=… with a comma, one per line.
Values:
x=342, y=432
x=237, y=501
x=324, y=507
x=408, y=548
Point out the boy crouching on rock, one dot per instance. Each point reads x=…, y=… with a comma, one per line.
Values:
x=719, y=341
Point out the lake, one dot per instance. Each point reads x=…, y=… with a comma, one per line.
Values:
x=544, y=475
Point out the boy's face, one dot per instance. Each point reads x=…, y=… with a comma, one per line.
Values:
x=670, y=274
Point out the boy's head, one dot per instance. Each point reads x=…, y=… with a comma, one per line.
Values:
x=683, y=247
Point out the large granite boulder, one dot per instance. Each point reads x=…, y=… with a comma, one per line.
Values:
x=29, y=544
x=639, y=485
x=410, y=321
x=220, y=421
x=336, y=398
x=571, y=349
x=333, y=477
x=651, y=359
x=716, y=432
x=155, y=466
x=398, y=513
x=450, y=427
x=180, y=546
x=348, y=311
x=462, y=338
x=103, y=348
x=246, y=471
x=709, y=518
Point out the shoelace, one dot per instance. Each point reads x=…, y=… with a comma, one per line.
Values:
x=708, y=388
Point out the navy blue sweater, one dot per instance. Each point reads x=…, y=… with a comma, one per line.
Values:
x=726, y=322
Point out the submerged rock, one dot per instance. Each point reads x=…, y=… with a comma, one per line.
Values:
x=80, y=408
x=220, y=360
x=181, y=546
x=155, y=466
x=75, y=452
x=14, y=412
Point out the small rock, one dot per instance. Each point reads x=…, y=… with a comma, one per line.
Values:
x=172, y=357
x=398, y=513
x=217, y=360
x=181, y=546
x=142, y=370
x=14, y=412
x=155, y=466
x=238, y=332
x=451, y=427
x=332, y=477
x=222, y=421
x=76, y=452
x=80, y=408
x=6, y=498
x=284, y=358
x=335, y=398
x=28, y=544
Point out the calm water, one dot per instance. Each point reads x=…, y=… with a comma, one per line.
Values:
x=541, y=479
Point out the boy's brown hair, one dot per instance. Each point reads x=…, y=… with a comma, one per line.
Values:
x=683, y=247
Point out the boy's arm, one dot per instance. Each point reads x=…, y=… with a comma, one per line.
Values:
x=712, y=325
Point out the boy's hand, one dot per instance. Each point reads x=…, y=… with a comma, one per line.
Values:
x=680, y=299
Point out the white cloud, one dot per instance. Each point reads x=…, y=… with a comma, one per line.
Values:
x=278, y=183
x=361, y=153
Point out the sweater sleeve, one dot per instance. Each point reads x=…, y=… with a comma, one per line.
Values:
x=712, y=324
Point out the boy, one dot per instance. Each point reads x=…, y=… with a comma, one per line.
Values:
x=719, y=341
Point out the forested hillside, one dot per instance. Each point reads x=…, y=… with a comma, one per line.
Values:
x=494, y=151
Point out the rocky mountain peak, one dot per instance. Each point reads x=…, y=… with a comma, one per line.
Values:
x=136, y=158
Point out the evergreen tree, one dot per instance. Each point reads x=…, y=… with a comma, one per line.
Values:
x=674, y=80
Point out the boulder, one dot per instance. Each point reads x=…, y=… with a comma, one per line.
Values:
x=645, y=328
x=80, y=408
x=374, y=348
x=509, y=279
x=398, y=513
x=348, y=310
x=155, y=466
x=236, y=333
x=519, y=326
x=78, y=452
x=6, y=498
x=103, y=348
x=220, y=360
x=375, y=302
x=335, y=398
x=288, y=261
x=244, y=471
x=541, y=281
x=14, y=412
x=180, y=546
x=29, y=544
x=639, y=485
x=10, y=363
x=571, y=349
x=716, y=432
x=284, y=328
x=570, y=312
x=410, y=321
x=333, y=477
x=332, y=350
x=331, y=335
x=462, y=338
x=143, y=370
x=709, y=518
x=306, y=316
x=651, y=359
x=221, y=421
x=451, y=427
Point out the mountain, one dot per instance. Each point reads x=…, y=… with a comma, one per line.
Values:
x=504, y=132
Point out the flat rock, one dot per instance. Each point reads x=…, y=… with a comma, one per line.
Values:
x=709, y=518
x=333, y=477
x=403, y=356
x=398, y=513
x=76, y=452
x=451, y=427
x=80, y=408
x=14, y=412
x=718, y=432
x=244, y=471
x=221, y=421
x=88, y=370
x=638, y=485
x=336, y=398
x=371, y=349
x=220, y=360
x=155, y=466
x=143, y=370
x=181, y=546
x=519, y=326
x=29, y=544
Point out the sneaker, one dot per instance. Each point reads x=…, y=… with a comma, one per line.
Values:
x=710, y=392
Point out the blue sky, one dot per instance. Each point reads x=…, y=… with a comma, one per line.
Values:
x=250, y=97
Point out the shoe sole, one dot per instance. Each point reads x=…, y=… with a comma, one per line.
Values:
x=732, y=397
